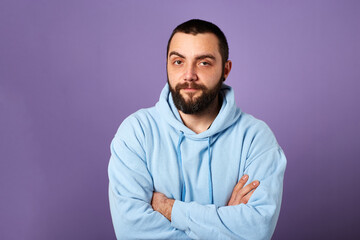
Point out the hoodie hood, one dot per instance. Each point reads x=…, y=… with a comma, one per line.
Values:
x=227, y=115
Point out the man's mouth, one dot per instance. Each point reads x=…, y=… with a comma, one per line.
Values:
x=191, y=89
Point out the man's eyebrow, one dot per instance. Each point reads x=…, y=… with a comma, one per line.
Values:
x=197, y=57
x=176, y=53
x=206, y=56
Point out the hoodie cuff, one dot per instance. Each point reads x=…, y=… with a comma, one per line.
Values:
x=179, y=215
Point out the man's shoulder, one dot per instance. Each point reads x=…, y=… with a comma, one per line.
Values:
x=248, y=121
x=138, y=121
x=257, y=133
x=142, y=114
x=254, y=129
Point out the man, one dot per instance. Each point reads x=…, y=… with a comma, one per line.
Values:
x=186, y=168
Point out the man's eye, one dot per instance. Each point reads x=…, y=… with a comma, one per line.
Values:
x=177, y=62
x=204, y=63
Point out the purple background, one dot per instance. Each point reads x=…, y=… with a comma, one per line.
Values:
x=71, y=71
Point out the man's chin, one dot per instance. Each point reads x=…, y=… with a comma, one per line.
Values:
x=190, y=99
x=190, y=95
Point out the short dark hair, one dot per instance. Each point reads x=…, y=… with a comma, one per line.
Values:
x=195, y=26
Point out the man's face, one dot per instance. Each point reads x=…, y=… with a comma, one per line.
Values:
x=195, y=71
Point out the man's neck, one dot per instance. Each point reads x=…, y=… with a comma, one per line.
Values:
x=200, y=122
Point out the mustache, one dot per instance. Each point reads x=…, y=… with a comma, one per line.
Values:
x=189, y=85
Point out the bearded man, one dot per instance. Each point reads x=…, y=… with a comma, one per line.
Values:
x=195, y=166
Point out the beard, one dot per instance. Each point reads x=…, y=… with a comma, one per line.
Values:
x=194, y=104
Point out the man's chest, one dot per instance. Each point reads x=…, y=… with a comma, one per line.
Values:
x=197, y=167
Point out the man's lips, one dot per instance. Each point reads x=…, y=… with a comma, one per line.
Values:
x=191, y=89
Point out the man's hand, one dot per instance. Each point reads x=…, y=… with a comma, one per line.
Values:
x=162, y=204
x=242, y=194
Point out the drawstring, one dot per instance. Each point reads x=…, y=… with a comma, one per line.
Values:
x=178, y=152
x=210, y=179
x=183, y=189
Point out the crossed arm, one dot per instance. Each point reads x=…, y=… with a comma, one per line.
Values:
x=138, y=213
x=240, y=194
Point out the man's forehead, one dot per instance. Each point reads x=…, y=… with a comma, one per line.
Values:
x=201, y=43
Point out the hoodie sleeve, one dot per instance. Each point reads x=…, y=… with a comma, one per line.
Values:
x=131, y=189
x=266, y=162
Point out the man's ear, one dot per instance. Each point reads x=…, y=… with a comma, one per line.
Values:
x=227, y=69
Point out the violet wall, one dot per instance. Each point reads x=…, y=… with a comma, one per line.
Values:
x=71, y=71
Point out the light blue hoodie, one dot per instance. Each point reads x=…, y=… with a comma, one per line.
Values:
x=154, y=151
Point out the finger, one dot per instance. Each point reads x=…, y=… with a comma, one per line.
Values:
x=246, y=198
x=238, y=187
x=241, y=183
x=245, y=190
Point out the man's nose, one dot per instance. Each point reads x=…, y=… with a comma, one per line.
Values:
x=190, y=74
